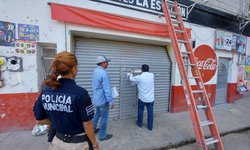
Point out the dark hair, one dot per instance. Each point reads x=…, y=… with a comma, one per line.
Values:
x=145, y=68
x=62, y=64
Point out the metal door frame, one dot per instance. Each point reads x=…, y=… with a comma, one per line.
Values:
x=225, y=101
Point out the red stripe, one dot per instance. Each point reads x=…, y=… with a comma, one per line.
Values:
x=104, y=20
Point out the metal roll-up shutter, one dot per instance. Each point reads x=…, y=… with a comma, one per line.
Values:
x=125, y=57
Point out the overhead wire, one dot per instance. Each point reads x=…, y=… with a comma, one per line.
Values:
x=232, y=24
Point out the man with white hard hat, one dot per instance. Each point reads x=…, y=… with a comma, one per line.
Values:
x=102, y=96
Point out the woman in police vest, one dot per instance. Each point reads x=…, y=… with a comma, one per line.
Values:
x=67, y=107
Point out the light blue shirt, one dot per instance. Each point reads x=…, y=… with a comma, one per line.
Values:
x=102, y=92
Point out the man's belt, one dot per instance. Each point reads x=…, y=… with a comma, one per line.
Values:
x=67, y=138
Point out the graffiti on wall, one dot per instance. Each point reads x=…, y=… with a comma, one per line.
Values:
x=7, y=34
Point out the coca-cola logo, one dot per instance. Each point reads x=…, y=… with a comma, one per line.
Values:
x=207, y=62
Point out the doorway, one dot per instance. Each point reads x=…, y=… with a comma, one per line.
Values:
x=222, y=78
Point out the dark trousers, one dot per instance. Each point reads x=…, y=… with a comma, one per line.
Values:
x=150, y=110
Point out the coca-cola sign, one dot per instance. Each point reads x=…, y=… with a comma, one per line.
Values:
x=207, y=62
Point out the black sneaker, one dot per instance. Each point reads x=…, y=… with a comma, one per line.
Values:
x=109, y=136
x=96, y=130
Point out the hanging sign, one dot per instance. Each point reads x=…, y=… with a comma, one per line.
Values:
x=207, y=62
x=149, y=6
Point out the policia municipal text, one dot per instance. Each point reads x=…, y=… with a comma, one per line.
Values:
x=66, y=107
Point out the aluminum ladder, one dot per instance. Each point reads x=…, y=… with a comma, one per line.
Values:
x=186, y=61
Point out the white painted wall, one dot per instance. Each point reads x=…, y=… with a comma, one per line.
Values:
x=203, y=36
x=34, y=13
x=38, y=13
x=206, y=36
x=51, y=31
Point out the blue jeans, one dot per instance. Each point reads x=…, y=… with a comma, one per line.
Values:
x=150, y=110
x=103, y=112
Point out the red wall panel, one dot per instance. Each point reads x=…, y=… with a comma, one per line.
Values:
x=232, y=93
x=99, y=19
x=178, y=100
x=16, y=111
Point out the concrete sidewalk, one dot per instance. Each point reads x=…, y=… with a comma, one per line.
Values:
x=170, y=129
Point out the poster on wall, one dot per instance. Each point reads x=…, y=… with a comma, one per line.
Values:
x=247, y=68
x=241, y=44
x=241, y=86
x=219, y=39
x=7, y=34
x=223, y=40
x=240, y=73
x=28, y=32
x=25, y=48
x=228, y=41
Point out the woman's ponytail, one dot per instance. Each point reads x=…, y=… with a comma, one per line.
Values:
x=61, y=65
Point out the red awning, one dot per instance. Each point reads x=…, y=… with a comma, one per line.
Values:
x=104, y=20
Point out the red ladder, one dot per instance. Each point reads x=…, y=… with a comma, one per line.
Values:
x=176, y=27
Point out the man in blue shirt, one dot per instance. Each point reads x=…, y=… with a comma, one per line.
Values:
x=102, y=96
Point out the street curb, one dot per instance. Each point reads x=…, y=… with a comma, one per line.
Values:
x=193, y=140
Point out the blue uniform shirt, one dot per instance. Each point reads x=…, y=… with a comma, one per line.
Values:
x=66, y=107
x=102, y=92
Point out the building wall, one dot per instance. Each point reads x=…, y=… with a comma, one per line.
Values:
x=204, y=36
x=235, y=7
x=21, y=88
x=50, y=32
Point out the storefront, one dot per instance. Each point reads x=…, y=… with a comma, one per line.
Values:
x=125, y=57
x=130, y=34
